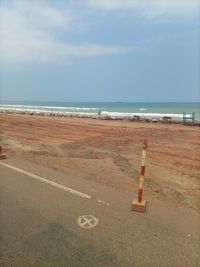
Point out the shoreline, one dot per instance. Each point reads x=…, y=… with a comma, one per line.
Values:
x=131, y=118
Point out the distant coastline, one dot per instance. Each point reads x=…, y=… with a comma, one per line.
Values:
x=146, y=110
x=140, y=117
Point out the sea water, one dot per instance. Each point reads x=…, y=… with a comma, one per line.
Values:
x=118, y=109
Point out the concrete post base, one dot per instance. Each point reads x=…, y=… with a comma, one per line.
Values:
x=138, y=206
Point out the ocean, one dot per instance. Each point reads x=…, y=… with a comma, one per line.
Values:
x=118, y=109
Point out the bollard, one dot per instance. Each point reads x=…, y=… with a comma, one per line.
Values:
x=2, y=156
x=138, y=204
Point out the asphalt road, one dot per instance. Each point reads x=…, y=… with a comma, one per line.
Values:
x=39, y=224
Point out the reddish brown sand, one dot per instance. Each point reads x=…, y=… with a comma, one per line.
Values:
x=109, y=152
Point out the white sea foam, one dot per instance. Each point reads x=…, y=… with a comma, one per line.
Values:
x=89, y=111
x=46, y=111
x=23, y=109
x=28, y=107
x=144, y=115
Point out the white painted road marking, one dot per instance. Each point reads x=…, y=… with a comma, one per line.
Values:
x=103, y=202
x=59, y=186
x=87, y=221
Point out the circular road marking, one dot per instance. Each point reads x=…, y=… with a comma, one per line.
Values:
x=87, y=221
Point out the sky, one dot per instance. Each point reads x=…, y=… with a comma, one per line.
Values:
x=100, y=50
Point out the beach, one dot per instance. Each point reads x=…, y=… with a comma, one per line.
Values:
x=109, y=153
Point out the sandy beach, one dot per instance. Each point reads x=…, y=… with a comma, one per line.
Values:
x=109, y=152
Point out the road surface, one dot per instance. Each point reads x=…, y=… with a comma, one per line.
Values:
x=41, y=224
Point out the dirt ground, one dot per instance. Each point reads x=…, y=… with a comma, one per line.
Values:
x=109, y=152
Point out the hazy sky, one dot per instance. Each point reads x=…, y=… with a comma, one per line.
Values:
x=100, y=50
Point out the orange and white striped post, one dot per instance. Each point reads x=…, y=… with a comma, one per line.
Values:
x=139, y=204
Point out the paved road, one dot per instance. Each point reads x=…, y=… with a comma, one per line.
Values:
x=39, y=225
